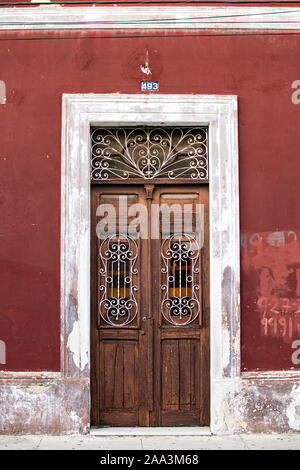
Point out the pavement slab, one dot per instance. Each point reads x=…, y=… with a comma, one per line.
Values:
x=289, y=441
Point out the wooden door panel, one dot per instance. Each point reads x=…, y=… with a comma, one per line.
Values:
x=119, y=362
x=118, y=387
x=154, y=368
x=182, y=344
x=120, y=339
x=180, y=374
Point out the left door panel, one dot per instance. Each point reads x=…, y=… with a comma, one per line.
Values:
x=121, y=343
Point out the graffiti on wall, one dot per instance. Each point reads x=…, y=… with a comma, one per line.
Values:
x=272, y=263
x=279, y=316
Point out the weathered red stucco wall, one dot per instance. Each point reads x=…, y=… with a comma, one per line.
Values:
x=39, y=69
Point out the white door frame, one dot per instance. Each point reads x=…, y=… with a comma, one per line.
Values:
x=151, y=17
x=220, y=114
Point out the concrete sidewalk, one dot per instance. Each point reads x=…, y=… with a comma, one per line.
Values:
x=91, y=442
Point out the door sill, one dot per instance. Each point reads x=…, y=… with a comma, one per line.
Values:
x=155, y=431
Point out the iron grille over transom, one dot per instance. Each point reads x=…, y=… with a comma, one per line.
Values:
x=149, y=153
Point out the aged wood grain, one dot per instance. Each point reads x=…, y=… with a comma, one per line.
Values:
x=151, y=373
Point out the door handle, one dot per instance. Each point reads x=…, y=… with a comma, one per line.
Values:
x=149, y=319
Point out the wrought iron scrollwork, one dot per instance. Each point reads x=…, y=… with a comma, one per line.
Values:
x=180, y=305
x=118, y=305
x=149, y=153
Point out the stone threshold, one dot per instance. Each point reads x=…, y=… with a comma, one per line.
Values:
x=151, y=431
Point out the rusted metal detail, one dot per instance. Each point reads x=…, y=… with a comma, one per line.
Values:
x=54, y=406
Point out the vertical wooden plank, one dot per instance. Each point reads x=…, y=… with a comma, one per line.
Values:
x=150, y=382
x=142, y=379
x=174, y=358
x=119, y=377
x=109, y=374
x=198, y=370
x=149, y=189
x=193, y=366
x=170, y=378
x=165, y=376
x=101, y=377
x=184, y=375
x=95, y=384
x=129, y=375
x=158, y=346
x=146, y=349
x=204, y=379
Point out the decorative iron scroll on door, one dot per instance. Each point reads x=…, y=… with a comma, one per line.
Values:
x=118, y=305
x=149, y=153
x=180, y=255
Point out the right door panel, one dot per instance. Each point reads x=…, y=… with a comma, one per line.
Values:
x=180, y=283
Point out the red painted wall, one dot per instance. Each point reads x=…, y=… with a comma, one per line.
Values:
x=258, y=68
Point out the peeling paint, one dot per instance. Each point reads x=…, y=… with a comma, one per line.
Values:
x=73, y=341
x=228, y=323
x=2, y=352
x=2, y=92
x=34, y=389
x=292, y=410
x=46, y=1
x=44, y=407
x=145, y=67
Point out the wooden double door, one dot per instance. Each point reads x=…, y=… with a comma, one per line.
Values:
x=150, y=305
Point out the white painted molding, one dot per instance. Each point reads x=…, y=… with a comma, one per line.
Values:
x=220, y=114
x=29, y=375
x=271, y=375
x=150, y=17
